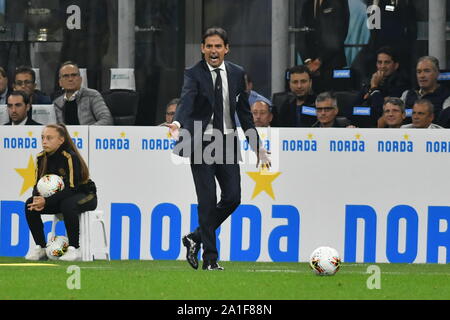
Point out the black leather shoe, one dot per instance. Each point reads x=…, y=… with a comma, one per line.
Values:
x=211, y=265
x=192, y=249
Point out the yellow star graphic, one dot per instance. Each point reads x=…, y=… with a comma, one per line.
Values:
x=310, y=136
x=122, y=134
x=169, y=135
x=30, y=133
x=29, y=175
x=406, y=137
x=76, y=134
x=263, y=181
x=358, y=136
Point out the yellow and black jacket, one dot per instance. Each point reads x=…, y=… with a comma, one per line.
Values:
x=66, y=165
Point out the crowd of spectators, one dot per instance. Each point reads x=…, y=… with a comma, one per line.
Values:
x=386, y=94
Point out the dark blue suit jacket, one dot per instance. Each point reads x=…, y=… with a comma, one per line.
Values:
x=30, y=122
x=197, y=105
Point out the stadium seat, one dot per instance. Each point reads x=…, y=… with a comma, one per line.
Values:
x=122, y=78
x=84, y=78
x=360, y=116
x=342, y=80
x=4, y=117
x=345, y=100
x=44, y=113
x=87, y=245
x=123, y=105
x=38, y=78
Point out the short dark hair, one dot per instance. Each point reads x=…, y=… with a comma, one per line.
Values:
x=26, y=97
x=299, y=69
x=396, y=102
x=216, y=31
x=427, y=103
x=328, y=95
x=175, y=101
x=25, y=69
x=388, y=51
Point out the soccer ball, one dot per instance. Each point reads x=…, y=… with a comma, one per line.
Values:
x=325, y=261
x=56, y=247
x=49, y=184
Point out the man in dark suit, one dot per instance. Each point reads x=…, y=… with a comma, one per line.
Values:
x=387, y=81
x=213, y=93
x=323, y=52
x=295, y=108
x=25, y=80
x=18, y=106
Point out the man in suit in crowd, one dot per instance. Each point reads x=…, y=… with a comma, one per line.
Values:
x=327, y=111
x=262, y=113
x=323, y=52
x=387, y=81
x=295, y=108
x=213, y=93
x=25, y=80
x=18, y=106
x=171, y=107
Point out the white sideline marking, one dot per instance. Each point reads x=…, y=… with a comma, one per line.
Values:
x=96, y=267
x=278, y=270
x=344, y=271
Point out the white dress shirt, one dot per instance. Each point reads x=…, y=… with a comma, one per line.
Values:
x=20, y=124
x=227, y=123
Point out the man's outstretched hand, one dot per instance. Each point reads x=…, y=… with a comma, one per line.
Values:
x=174, y=130
x=263, y=157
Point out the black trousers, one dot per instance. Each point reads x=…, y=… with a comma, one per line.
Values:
x=70, y=208
x=211, y=214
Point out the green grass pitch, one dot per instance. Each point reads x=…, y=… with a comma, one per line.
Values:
x=176, y=280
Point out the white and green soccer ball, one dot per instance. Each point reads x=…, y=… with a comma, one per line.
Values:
x=57, y=247
x=325, y=261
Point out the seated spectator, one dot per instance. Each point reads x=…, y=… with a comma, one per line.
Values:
x=18, y=106
x=295, y=108
x=327, y=111
x=262, y=113
x=423, y=116
x=171, y=108
x=393, y=113
x=397, y=29
x=4, y=90
x=79, y=106
x=427, y=72
x=387, y=81
x=25, y=80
